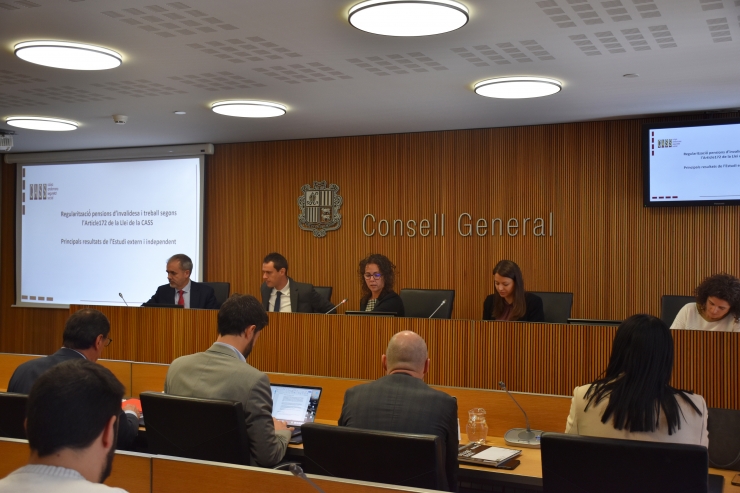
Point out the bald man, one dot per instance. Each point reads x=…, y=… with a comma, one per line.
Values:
x=402, y=402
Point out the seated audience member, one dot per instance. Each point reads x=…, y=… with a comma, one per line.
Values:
x=280, y=293
x=509, y=301
x=222, y=372
x=71, y=427
x=181, y=290
x=85, y=336
x=402, y=402
x=717, y=306
x=633, y=400
x=377, y=277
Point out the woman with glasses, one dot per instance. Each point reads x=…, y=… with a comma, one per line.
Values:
x=377, y=276
x=633, y=398
x=509, y=301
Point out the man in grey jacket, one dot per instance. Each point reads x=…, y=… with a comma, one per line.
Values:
x=222, y=372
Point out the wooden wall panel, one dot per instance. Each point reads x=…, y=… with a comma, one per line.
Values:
x=533, y=358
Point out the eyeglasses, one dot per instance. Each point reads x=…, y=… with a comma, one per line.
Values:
x=107, y=342
x=376, y=275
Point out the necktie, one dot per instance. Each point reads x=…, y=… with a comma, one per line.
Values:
x=276, y=307
x=181, y=300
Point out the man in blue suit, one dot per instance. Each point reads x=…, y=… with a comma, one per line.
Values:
x=181, y=290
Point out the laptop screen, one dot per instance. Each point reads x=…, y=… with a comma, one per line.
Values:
x=295, y=404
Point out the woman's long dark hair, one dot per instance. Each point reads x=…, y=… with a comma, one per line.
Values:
x=507, y=268
x=636, y=382
x=385, y=266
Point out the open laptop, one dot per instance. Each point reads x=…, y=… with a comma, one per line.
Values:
x=295, y=404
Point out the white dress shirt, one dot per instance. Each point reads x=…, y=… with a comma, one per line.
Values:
x=284, y=299
x=185, y=295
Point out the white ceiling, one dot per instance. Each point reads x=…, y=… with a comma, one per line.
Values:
x=303, y=53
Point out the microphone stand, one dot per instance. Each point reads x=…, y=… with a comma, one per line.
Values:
x=297, y=471
x=520, y=437
x=337, y=305
x=440, y=306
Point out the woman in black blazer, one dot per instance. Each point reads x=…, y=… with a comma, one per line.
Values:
x=377, y=276
x=510, y=301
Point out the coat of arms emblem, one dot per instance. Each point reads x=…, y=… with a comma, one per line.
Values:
x=320, y=208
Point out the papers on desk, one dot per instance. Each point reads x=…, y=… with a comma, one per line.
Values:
x=485, y=455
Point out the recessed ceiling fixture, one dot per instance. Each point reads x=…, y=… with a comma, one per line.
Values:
x=518, y=87
x=72, y=56
x=42, y=123
x=408, y=17
x=180, y=113
x=249, y=109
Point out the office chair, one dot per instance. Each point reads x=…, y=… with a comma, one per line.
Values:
x=724, y=438
x=557, y=306
x=421, y=303
x=193, y=428
x=670, y=305
x=607, y=465
x=12, y=415
x=324, y=292
x=222, y=291
x=378, y=456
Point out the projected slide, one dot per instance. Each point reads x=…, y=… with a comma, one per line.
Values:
x=695, y=163
x=89, y=231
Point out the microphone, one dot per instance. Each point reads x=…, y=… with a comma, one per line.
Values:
x=297, y=471
x=124, y=300
x=440, y=306
x=520, y=437
x=335, y=306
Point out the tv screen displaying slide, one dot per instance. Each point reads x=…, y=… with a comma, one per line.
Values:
x=691, y=163
x=89, y=231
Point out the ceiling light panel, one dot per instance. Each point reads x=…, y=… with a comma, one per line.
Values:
x=42, y=123
x=518, y=87
x=70, y=56
x=249, y=109
x=408, y=17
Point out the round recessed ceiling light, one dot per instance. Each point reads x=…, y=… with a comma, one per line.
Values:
x=42, y=123
x=180, y=113
x=72, y=56
x=518, y=87
x=249, y=109
x=408, y=17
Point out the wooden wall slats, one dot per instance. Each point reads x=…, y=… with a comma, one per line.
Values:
x=528, y=357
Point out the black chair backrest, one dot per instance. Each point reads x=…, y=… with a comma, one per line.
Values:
x=324, y=292
x=222, y=291
x=421, y=303
x=724, y=438
x=573, y=463
x=12, y=415
x=378, y=456
x=557, y=306
x=670, y=305
x=201, y=429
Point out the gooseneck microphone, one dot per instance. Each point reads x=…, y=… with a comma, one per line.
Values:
x=335, y=306
x=519, y=436
x=124, y=299
x=297, y=471
x=440, y=306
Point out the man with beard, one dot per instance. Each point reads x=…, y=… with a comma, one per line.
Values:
x=71, y=425
x=222, y=372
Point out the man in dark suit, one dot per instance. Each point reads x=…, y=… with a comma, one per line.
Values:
x=85, y=336
x=181, y=290
x=289, y=295
x=402, y=402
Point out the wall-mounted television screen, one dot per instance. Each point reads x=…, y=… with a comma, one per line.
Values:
x=691, y=163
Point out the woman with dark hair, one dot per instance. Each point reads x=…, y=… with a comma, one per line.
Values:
x=377, y=276
x=510, y=301
x=717, y=306
x=633, y=399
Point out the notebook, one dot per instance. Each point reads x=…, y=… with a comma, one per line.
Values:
x=295, y=404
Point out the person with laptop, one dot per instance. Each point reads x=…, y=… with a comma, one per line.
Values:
x=633, y=399
x=280, y=293
x=222, y=372
x=509, y=300
x=402, y=402
x=377, y=277
x=181, y=290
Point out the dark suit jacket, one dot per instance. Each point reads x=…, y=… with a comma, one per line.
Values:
x=303, y=298
x=26, y=374
x=388, y=302
x=534, y=312
x=201, y=296
x=405, y=404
